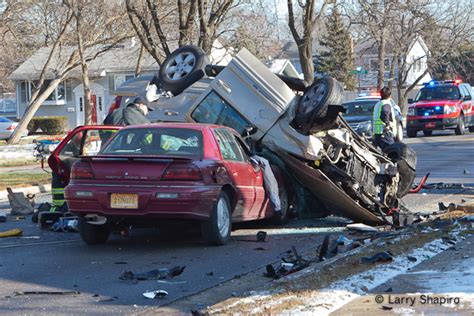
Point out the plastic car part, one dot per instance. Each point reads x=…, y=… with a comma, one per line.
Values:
x=315, y=101
x=182, y=68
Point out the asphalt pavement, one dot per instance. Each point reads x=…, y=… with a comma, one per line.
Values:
x=48, y=261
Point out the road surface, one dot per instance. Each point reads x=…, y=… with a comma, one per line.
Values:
x=48, y=261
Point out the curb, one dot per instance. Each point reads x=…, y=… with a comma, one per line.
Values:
x=44, y=188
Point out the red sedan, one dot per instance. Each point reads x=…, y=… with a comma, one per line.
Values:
x=149, y=173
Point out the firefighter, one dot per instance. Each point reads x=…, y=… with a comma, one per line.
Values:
x=383, y=122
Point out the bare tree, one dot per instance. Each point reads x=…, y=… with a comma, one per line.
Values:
x=304, y=37
x=63, y=58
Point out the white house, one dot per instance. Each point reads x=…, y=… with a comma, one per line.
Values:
x=366, y=58
x=106, y=73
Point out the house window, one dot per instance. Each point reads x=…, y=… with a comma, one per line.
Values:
x=374, y=65
x=117, y=80
x=57, y=97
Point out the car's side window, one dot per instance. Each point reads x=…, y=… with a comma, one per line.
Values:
x=229, y=148
x=215, y=110
x=243, y=148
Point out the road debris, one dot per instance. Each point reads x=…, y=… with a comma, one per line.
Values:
x=47, y=293
x=3, y=218
x=157, y=274
x=66, y=224
x=11, y=233
x=261, y=236
x=384, y=256
x=47, y=219
x=417, y=188
x=156, y=294
x=289, y=264
x=362, y=227
x=19, y=203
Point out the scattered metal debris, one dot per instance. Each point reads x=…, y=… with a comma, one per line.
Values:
x=384, y=256
x=156, y=294
x=361, y=227
x=157, y=274
x=289, y=264
x=261, y=236
x=47, y=293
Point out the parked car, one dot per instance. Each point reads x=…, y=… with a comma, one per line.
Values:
x=359, y=114
x=7, y=127
x=441, y=105
x=150, y=173
x=330, y=168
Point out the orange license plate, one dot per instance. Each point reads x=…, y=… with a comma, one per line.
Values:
x=119, y=200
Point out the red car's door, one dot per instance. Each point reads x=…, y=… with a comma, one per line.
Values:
x=81, y=141
x=241, y=172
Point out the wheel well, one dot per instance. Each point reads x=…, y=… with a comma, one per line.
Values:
x=227, y=188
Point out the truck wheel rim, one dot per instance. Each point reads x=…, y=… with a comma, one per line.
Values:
x=312, y=98
x=180, y=66
x=222, y=217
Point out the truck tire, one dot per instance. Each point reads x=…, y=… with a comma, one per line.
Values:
x=460, y=127
x=216, y=230
x=411, y=132
x=93, y=234
x=405, y=157
x=399, y=136
x=427, y=132
x=182, y=68
x=315, y=101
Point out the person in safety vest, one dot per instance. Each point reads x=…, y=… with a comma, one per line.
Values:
x=383, y=121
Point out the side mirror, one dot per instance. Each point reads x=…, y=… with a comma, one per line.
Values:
x=249, y=130
x=255, y=165
x=467, y=98
x=410, y=101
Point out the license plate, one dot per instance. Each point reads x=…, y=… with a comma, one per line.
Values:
x=119, y=200
x=430, y=125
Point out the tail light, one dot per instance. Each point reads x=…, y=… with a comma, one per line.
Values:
x=116, y=104
x=180, y=172
x=82, y=170
x=11, y=127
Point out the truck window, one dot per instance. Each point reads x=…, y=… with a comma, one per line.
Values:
x=215, y=110
x=438, y=93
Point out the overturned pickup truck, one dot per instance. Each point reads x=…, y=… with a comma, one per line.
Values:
x=332, y=170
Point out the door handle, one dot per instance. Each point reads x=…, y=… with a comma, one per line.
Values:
x=224, y=85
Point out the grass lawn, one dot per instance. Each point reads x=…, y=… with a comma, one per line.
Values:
x=23, y=179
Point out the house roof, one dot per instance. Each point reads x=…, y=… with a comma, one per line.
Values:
x=369, y=46
x=121, y=58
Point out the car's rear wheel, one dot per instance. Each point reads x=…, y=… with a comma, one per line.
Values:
x=182, y=68
x=460, y=127
x=411, y=132
x=315, y=101
x=216, y=230
x=93, y=234
x=427, y=132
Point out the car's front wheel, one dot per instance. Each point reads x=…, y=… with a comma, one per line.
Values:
x=411, y=132
x=216, y=230
x=460, y=127
x=93, y=234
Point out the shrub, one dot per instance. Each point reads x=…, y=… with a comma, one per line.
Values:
x=48, y=124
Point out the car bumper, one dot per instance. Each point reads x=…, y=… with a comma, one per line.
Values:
x=432, y=123
x=180, y=202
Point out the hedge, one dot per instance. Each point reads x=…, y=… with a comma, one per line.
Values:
x=48, y=124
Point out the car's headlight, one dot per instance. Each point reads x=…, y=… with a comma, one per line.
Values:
x=411, y=112
x=448, y=109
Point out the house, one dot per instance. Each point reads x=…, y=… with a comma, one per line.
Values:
x=106, y=73
x=283, y=67
x=366, y=58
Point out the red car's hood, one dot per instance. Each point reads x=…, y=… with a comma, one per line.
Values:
x=436, y=103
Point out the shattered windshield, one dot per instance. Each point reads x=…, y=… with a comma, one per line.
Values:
x=438, y=93
x=359, y=108
x=215, y=110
